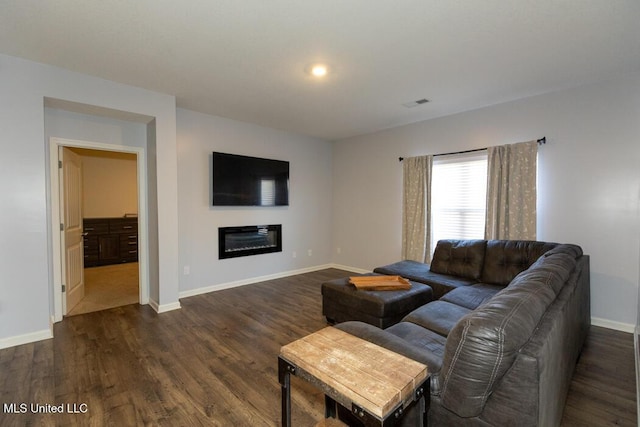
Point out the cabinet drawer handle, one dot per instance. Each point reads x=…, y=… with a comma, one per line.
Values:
x=132, y=243
x=89, y=229
x=133, y=237
x=127, y=227
x=133, y=252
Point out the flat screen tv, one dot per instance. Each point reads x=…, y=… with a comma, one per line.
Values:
x=249, y=181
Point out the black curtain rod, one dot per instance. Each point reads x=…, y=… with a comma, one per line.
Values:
x=540, y=141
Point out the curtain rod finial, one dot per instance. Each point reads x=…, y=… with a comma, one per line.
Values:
x=542, y=140
x=400, y=159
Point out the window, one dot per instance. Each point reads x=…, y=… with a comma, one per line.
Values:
x=458, y=197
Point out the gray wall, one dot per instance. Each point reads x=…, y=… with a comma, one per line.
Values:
x=589, y=181
x=306, y=222
x=26, y=270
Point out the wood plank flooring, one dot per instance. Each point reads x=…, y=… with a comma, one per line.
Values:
x=214, y=362
x=603, y=389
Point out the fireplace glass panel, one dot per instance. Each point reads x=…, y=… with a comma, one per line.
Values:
x=249, y=240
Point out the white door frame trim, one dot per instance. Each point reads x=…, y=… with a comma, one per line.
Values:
x=54, y=185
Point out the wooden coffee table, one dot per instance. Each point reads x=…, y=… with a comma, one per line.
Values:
x=375, y=384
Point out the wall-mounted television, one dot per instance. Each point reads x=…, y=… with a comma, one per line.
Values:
x=249, y=181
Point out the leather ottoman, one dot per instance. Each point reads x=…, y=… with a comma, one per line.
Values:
x=341, y=302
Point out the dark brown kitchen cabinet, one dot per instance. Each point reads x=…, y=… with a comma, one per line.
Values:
x=110, y=241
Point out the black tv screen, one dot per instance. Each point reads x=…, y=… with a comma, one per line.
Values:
x=249, y=181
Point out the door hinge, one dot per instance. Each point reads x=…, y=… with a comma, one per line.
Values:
x=64, y=288
x=61, y=227
x=59, y=164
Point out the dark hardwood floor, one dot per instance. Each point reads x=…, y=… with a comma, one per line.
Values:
x=603, y=389
x=214, y=362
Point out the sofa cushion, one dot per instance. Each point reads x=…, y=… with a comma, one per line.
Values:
x=473, y=296
x=420, y=272
x=438, y=316
x=422, y=338
x=462, y=258
x=505, y=259
x=393, y=342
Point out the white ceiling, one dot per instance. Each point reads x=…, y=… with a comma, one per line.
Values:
x=245, y=59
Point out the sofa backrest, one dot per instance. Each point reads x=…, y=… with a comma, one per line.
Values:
x=462, y=258
x=484, y=343
x=505, y=259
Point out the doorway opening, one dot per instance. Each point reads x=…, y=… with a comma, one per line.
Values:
x=112, y=227
x=109, y=201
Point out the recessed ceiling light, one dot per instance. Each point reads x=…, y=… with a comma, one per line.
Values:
x=318, y=70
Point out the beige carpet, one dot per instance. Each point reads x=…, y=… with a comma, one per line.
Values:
x=107, y=287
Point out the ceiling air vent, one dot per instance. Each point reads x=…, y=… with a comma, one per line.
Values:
x=416, y=103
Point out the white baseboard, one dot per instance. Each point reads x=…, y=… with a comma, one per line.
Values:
x=164, y=307
x=44, y=334
x=348, y=268
x=610, y=324
x=251, y=280
x=169, y=307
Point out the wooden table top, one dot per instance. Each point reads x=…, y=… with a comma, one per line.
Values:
x=366, y=374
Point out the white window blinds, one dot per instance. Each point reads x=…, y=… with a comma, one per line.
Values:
x=458, y=197
x=267, y=192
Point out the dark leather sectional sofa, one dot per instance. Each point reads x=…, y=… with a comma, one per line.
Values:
x=503, y=334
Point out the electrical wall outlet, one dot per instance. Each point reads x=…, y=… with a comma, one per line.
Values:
x=294, y=254
x=309, y=252
x=187, y=270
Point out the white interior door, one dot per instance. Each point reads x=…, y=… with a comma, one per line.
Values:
x=57, y=217
x=72, y=239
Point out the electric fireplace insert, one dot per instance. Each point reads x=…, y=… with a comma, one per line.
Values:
x=249, y=240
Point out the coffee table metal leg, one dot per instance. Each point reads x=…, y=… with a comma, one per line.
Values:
x=286, y=401
x=285, y=370
x=425, y=411
x=426, y=399
x=329, y=407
